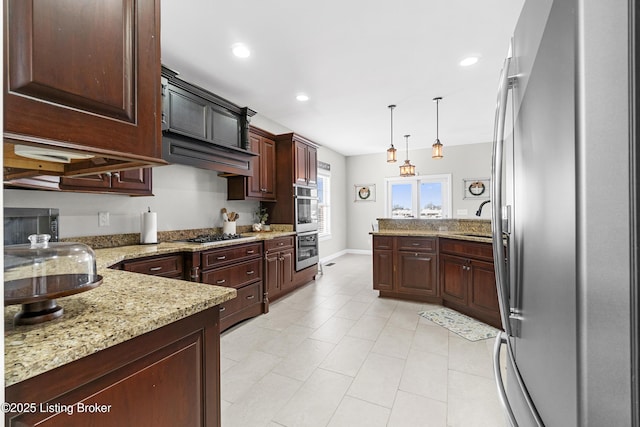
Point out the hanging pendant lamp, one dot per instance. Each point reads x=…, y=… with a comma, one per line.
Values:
x=391, y=152
x=436, y=148
x=407, y=169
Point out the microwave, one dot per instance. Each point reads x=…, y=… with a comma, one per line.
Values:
x=20, y=223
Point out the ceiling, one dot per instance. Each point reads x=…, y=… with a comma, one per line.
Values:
x=352, y=58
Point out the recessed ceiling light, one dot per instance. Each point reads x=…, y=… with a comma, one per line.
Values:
x=466, y=62
x=302, y=97
x=240, y=50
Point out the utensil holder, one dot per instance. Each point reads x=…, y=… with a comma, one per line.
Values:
x=229, y=227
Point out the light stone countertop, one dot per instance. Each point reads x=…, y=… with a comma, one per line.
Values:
x=123, y=307
x=460, y=235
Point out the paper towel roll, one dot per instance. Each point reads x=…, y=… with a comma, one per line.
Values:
x=148, y=228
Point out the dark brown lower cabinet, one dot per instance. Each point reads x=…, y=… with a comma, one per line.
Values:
x=279, y=266
x=468, y=281
x=453, y=272
x=166, y=377
x=406, y=267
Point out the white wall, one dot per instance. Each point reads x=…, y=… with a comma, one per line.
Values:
x=338, y=240
x=184, y=198
x=461, y=161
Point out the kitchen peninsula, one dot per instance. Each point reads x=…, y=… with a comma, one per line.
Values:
x=442, y=261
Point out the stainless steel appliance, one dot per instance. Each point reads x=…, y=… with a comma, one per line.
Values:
x=568, y=286
x=306, y=250
x=305, y=208
x=19, y=223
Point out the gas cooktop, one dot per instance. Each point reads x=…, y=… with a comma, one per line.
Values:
x=212, y=239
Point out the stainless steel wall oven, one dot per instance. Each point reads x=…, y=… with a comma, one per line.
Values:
x=306, y=249
x=305, y=208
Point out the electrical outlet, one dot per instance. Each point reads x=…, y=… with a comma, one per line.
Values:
x=103, y=219
x=462, y=212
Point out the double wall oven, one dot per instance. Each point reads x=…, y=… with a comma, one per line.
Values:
x=306, y=225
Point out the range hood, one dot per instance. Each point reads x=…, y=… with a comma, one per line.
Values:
x=203, y=130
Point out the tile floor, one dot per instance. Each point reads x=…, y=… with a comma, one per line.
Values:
x=335, y=354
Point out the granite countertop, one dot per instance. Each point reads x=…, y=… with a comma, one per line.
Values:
x=124, y=306
x=469, y=236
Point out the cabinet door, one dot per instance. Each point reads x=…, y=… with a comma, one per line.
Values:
x=287, y=270
x=98, y=182
x=272, y=282
x=268, y=169
x=417, y=273
x=483, y=296
x=453, y=278
x=253, y=182
x=312, y=166
x=84, y=76
x=133, y=181
x=383, y=270
x=187, y=114
x=300, y=168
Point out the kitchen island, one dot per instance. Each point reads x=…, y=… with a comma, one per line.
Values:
x=137, y=350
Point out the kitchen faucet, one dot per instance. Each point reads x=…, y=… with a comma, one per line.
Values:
x=479, y=211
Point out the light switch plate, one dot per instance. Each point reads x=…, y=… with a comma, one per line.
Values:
x=103, y=219
x=462, y=212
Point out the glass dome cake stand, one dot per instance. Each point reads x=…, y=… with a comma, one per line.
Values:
x=36, y=274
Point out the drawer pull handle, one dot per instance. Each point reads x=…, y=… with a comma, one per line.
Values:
x=155, y=268
x=250, y=272
x=249, y=252
x=281, y=244
x=250, y=296
x=222, y=257
x=221, y=281
x=222, y=309
x=415, y=244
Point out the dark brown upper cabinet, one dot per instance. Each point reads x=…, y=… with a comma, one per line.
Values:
x=262, y=184
x=85, y=79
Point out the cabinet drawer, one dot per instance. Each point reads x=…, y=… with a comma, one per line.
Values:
x=247, y=296
x=235, y=276
x=417, y=244
x=230, y=254
x=278, y=243
x=382, y=242
x=166, y=266
x=468, y=249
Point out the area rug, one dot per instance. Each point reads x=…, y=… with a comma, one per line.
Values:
x=460, y=324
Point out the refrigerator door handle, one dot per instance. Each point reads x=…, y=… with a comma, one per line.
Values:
x=497, y=230
x=502, y=338
x=502, y=393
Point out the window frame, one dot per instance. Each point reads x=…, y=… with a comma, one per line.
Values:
x=415, y=181
x=325, y=207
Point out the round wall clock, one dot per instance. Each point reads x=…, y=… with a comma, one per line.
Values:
x=476, y=188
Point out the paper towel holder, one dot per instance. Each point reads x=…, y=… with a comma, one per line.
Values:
x=148, y=228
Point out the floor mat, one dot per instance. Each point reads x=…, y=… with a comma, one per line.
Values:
x=465, y=326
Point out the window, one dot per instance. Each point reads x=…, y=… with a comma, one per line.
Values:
x=423, y=197
x=324, y=203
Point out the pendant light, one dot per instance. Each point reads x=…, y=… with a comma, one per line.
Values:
x=391, y=152
x=436, y=150
x=407, y=169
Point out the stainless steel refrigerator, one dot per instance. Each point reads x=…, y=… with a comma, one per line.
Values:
x=564, y=193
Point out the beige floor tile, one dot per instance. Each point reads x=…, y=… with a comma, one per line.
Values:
x=348, y=356
x=368, y=327
x=413, y=410
x=236, y=344
x=333, y=330
x=378, y=379
x=470, y=357
x=405, y=318
x=301, y=363
x=432, y=339
x=286, y=342
x=315, y=402
x=355, y=412
x=353, y=310
x=425, y=374
x=316, y=317
x=241, y=378
x=382, y=308
x=394, y=341
x=260, y=404
x=473, y=401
